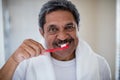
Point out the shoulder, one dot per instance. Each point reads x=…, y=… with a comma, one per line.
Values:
x=27, y=66
x=104, y=69
x=102, y=62
x=103, y=66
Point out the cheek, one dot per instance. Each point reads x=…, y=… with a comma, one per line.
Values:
x=74, y=35
x=76, y=42
x=49, y=40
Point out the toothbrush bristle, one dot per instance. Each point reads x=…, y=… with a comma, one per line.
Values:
x=63, y=45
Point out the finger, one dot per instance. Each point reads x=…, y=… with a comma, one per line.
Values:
x=39, y=45
x=42, y=49
x=29, y=50
x=20, y=55
x=24, y=53
x=35, y=47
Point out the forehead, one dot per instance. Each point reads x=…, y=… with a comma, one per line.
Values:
x=59, y=17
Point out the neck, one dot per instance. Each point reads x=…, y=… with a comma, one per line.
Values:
x=62, y=58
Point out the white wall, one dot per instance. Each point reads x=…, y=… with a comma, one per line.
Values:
x=23, y=21
x=106, y=31
x=87, y=20
x=118, y=41
x=97, y=25
x=2, y=58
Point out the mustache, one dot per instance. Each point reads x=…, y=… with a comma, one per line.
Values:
x=62, y=41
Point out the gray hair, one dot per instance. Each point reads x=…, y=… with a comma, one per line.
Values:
x=54, y=5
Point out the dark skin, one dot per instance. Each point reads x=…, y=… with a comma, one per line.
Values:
x=60, y=28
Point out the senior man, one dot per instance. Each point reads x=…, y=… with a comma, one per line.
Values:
x=59, y=25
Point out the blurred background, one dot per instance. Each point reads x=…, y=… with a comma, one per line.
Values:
x=99, y=26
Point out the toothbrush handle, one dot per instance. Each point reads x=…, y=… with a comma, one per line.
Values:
x=56, y=49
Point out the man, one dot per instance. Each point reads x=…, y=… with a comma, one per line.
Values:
x=59, y=25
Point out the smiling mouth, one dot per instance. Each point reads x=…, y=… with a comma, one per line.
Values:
x=63, y=46
x=62, y=43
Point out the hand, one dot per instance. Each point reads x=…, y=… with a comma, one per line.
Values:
x=29, y=48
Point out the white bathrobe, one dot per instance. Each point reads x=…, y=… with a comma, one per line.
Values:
x=89, y=66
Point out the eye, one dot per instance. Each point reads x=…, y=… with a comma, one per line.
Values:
x=70, y=27
x=52, y=30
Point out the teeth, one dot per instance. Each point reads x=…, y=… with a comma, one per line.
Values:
x=63, y=45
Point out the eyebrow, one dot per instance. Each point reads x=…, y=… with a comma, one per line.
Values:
x=51, y=26
x=70, y=23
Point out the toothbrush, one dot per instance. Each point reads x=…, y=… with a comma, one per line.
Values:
x=62, y=47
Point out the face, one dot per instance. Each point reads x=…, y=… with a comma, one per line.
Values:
x=60, y=28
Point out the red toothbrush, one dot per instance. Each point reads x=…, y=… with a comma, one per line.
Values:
x=64, y=46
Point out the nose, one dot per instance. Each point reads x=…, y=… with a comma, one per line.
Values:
x=62, y=35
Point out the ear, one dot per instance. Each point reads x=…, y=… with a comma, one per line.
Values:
x=41, y=32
